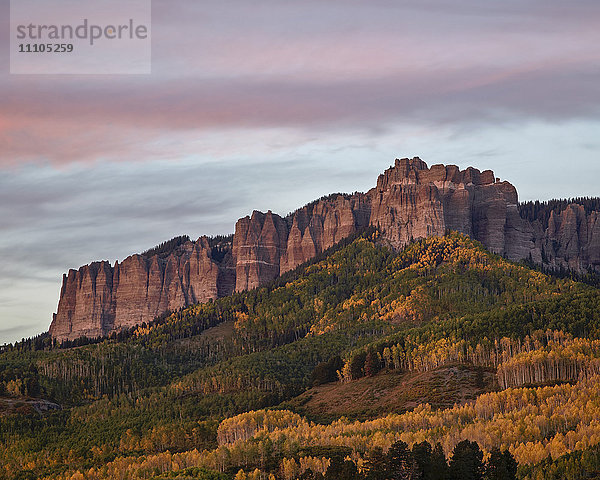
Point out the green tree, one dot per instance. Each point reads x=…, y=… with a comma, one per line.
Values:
x=372, y=364
x=326, y=372
x=356, y=365
x=401, y=463
x=310, y=475
x=340, y=469
x=466, y=462
x=376, y=465
x=501, y=466
x=422, y=453
x=439, y=466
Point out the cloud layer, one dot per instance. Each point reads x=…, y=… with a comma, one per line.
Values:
x=313, y=66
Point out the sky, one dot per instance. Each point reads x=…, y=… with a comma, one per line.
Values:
x=272, y=103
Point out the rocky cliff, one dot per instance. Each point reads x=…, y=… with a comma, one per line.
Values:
x=99, y=298
x=570, y=240
x=266, y=245
x=409, y=201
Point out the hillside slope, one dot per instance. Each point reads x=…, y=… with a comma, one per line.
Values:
x=132, y=400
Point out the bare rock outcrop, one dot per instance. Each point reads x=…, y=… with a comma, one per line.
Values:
x=413, y=201
x=572, y=239
x=258, y=244
x=99, y=298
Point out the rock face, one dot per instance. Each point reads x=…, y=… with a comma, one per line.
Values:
x=413, y=201
x=258, y=244
x=572, y=239
x=409, y=201
x=264, y=246
x=99, y=298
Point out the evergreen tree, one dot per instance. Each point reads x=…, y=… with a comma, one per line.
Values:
x=439, y=466
x=466, y=462
x=357, y=364
x=371, y=364
x=401, y=463
x=501, y=466
x=326, y=372
x=340, y=469
x=310, y=475
x=422, y=455
x=376, y=465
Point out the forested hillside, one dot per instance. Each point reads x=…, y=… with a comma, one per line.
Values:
x=208, y=391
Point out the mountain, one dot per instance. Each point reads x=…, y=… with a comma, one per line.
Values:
x=360, y=348
x=409, y=201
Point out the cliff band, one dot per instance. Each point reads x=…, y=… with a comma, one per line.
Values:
x=410, y=201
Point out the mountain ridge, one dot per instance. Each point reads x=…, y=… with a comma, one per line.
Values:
x=409, y=201
x=189, y=382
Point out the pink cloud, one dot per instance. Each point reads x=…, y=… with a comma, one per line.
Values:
x=312, y=67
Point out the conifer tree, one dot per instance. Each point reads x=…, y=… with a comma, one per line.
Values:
x=466, y=462
x=501, y=466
